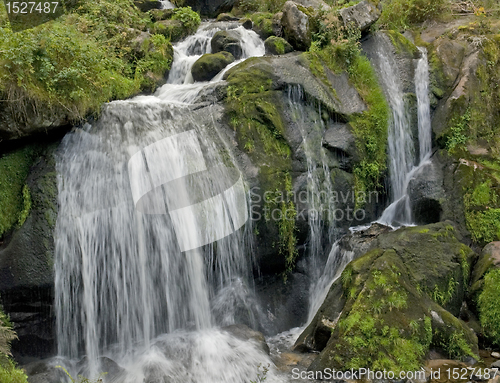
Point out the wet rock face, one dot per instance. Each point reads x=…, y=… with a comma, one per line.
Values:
x=26, y=265
x=296, y=26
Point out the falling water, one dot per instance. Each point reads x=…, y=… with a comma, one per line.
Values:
x=423, y=106
x=400, y=142
x=165, y=4
x=319, y=192
x=151, y=238
x=402, y=163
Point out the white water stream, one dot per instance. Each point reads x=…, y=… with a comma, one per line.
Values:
x=140, y=192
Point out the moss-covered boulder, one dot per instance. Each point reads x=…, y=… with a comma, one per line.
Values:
x=277, y=46
x=386, y=311
x=227, y=41
x=208, y=65
x=296, y=25
x=175, y=24
x=485, y=293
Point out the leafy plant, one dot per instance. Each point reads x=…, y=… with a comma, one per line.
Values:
x=189, y=18
x=261, y=375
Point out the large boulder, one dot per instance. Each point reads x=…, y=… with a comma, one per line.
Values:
x=363, y=15
x=27, y=262
x=391, y=297
x=277, y=46
x=296, y=25
x=33, y=121
x=485, y=292
x=227, y=41
x=208, y=65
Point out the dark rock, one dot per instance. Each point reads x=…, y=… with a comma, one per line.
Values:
x=247, y=23
x=296, y=26
x=363, y=15
x=283, y=304
x=210, y=8
x=276, y=24
x=227, y=17
x=277, y=46
x=35, y=121
x=227, y=41
x=147, y=5
x=426, y=193
x=340, y=139
x=44, y=371
x=26, y=265
x=208, y=65
x=247, y=334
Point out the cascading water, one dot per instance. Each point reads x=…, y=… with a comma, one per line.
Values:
x=320, y=198
x=165, y=4
x=423, y=106
x=140, y=192
x=401, y=149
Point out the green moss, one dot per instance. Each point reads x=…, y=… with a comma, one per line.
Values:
x=83, y=59
x=402, y=14
x=370, y=127
x=378, y=328
x=401, y=43
x=489, y=309
x=15, y=201
x=254, y=110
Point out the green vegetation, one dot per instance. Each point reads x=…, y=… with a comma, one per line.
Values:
x=380, y=327
x=254, y=110
x=252, y=6
x=489, y=309
x=9, y=373
x=15, y=199
x=402, y=14
x=91, y=55
x=337, y=48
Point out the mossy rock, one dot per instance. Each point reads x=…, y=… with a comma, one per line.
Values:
x=227, y=41
x=263, y=24
x=171, y=29
x=208, y=65
x=385, y=315
x=484, y=293
x=277, y=46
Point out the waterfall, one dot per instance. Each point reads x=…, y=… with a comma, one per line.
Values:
x=152, y=238
x=423, y=106
x=402, y=160
x=165, y=4
x=319, y=193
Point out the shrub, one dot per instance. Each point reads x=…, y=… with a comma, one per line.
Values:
x=401, y=14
